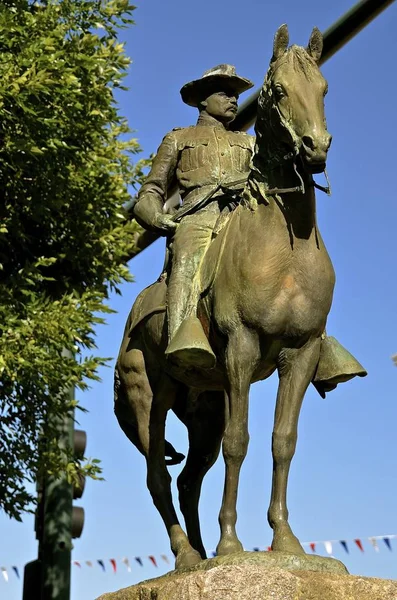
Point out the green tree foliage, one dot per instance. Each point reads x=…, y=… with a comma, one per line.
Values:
x=65, y=171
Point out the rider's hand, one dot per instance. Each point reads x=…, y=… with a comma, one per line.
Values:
x=165, y=224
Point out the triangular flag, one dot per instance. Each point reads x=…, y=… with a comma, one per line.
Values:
x=153, y=560
x=4, y=573
x=328, y=547
x=15, y=569
x=313, y=546
x=359, y=545
x=139, y=560
x=269, y=548
x=127, y=564
x=165, y=558
x=76, y=562
x=100, y=562
x=88, y=563
x=113, y=563
x=374, y=542
x=255, y=549
x=214, y=554
x=387, y=542
x=344, y=544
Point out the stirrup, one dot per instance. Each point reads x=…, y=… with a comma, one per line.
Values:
x=335, y=365
x=189, y=347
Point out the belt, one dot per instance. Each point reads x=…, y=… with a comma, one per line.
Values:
x=224, y=187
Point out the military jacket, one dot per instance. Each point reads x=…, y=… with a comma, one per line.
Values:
x=198, y=159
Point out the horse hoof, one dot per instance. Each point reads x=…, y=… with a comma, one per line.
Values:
x=187, y=559
x=229, y=546
x=285, y=541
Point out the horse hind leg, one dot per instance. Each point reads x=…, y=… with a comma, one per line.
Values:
x=158, y=478
x=142, y=416
x=296, y=369
x=205, y=421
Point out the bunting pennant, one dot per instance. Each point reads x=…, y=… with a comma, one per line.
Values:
x=328, y=547
x=387, y=542
x=127, y=564
x=102, y=564
x=344, y=546
x=374, y=543
x=359, y=544
x=153, y=560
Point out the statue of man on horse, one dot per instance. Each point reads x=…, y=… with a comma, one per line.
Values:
x=246, y=292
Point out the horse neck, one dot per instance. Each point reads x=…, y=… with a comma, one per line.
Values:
x=273, y=170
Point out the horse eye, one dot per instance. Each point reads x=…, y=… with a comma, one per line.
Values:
x=279, y=90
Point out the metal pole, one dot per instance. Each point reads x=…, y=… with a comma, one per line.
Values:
x=48, y=577
x=335, y=37
x=55, y=546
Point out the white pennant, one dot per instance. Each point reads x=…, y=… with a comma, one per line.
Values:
x=4, y=573
x=127, y=564
x=328, y=547
x=165, y=558
x=88, y=563
x=374, y=542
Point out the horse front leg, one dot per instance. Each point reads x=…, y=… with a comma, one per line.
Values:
x=296, y=368
x=242, y=355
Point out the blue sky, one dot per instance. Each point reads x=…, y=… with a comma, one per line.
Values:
x=343, y=478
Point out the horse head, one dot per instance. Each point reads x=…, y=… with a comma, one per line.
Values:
x=292, y=102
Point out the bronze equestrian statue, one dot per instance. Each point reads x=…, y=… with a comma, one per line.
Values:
x=247, y=290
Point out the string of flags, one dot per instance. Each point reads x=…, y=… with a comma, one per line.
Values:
x=112, y=564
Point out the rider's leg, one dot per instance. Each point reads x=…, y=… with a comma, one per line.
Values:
x=190, y=243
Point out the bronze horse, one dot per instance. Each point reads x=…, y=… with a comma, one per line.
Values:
x=267, y=286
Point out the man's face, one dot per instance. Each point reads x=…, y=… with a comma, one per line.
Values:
x=222, y=105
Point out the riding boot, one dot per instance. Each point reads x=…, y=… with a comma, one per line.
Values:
x=188, y=345
x=335, y=365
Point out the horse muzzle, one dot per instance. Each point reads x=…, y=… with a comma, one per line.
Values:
x=314, y=152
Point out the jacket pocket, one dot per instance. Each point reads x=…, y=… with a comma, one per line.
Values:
x=193, y=154
x=241, y=153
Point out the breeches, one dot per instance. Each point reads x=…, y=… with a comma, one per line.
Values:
x=190, y=243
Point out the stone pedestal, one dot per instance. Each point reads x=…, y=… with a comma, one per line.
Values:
x=261, y=576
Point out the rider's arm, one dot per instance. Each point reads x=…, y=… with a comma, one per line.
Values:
x=148, y=210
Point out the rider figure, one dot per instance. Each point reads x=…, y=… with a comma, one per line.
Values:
x=210, y=164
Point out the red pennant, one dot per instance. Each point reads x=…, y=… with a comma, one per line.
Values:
x=313, y=546
x=153, y=560
x=359, y=544
x=113, y=563
x=269, y=549
x=76, y=562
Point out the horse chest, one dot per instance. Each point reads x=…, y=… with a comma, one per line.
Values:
x=290, y=295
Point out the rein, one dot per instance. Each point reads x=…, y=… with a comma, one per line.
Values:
x=300, y=188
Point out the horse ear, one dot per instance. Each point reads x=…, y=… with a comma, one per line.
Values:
x=315, y=46
x=281, y=40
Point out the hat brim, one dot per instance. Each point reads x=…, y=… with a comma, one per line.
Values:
x=192, y=93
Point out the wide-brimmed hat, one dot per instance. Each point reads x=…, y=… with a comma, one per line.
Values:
x=194, y=91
